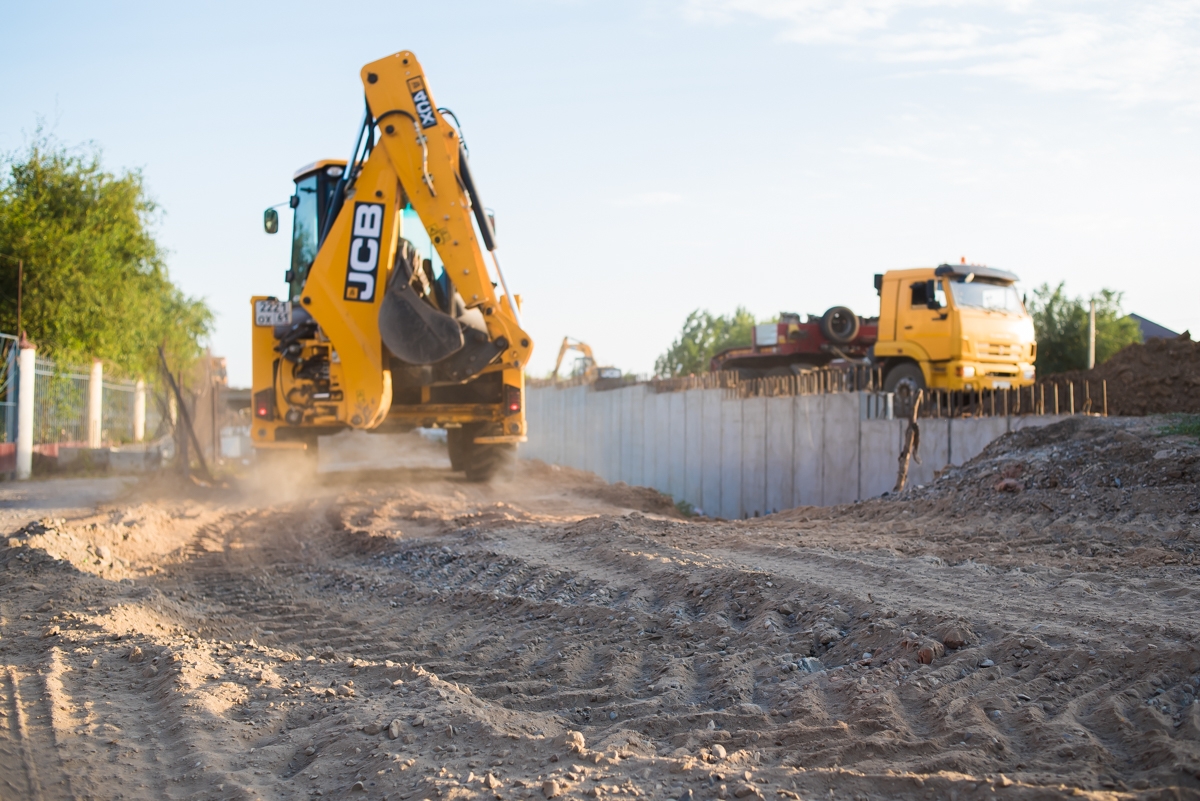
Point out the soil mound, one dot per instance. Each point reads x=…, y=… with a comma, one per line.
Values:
x=1105, y=468
x=641, y=499
x=1161, y=376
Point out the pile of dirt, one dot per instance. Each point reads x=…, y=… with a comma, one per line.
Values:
x=620, y=494
x=1080, y=456
x=1161, y=376
x=1086, y=494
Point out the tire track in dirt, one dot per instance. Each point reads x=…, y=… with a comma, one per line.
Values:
x=486, y=630
x=21, y=771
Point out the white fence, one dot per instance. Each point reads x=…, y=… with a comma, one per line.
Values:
x=63, y=406
x=743, y=457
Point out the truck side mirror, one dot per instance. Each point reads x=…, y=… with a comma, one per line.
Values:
x=879, y=283
x=930, y=293
x=271, y=221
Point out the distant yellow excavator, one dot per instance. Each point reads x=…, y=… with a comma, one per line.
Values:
x=392, y=320
x=585, y=365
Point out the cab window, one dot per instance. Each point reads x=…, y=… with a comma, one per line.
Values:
x=920, y=294
x=304, y=234
x=925, y=291
x=314, y=193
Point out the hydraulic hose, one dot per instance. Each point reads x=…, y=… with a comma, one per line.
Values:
x=485, y=223
x=485, y=228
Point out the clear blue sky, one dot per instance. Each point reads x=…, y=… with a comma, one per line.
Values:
x=647, y=159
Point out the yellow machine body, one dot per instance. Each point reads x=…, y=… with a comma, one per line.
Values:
x=337, y=372
x=965, y=327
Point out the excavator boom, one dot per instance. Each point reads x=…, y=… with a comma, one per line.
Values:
x=568, y=345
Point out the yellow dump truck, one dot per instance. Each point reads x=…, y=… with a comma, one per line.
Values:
x=956, y=327
x=953, y=327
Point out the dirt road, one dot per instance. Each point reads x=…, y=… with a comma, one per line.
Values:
x=1025, y=627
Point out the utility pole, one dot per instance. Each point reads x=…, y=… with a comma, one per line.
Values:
x=1091, y=361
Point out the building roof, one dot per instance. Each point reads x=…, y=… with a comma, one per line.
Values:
x=1151, y=329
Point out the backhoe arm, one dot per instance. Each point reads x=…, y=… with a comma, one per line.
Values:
x=367, y=290
x=428, y=158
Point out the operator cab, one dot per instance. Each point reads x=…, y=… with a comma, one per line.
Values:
x=315, y=185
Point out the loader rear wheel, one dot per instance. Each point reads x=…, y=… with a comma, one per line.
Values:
x=479, y=460
x=456, y=444
x=485, y=462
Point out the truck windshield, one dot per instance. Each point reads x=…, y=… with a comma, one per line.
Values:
x=982, y=295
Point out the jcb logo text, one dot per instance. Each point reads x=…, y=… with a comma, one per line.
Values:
x=363, y=266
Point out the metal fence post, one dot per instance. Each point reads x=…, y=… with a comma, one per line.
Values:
x=25, y=373
x=95, y=425
x=139, y=411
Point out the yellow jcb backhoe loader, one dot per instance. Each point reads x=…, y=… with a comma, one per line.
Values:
x=392, y=320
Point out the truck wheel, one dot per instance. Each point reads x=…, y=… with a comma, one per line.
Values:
x=906, y=380
x=840, y=325
x=455, y=443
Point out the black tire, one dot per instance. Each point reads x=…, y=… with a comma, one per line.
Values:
x=905, y=380
x=479, y=460
x=456, y=445
x=485, y=461
x=905, y=377
x=840, y=325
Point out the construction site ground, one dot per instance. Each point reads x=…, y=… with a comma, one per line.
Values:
x=1024, y=627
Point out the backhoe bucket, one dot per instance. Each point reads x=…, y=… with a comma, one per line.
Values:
x=414, y=331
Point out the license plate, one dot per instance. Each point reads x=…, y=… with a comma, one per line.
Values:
x=272, y=313
x=1001, y=385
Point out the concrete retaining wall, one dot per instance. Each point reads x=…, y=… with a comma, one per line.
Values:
x=742, y=457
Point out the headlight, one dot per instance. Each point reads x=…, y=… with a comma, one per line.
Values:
x=965, y=371
x=1029, y=374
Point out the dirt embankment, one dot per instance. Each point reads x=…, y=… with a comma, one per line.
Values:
x=405, y=635
x=1161, y=376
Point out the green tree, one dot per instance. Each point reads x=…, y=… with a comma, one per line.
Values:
x=1061, y=326
x=96, y=282
x=704, y=335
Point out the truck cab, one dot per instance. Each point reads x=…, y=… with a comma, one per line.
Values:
x=955, y=327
